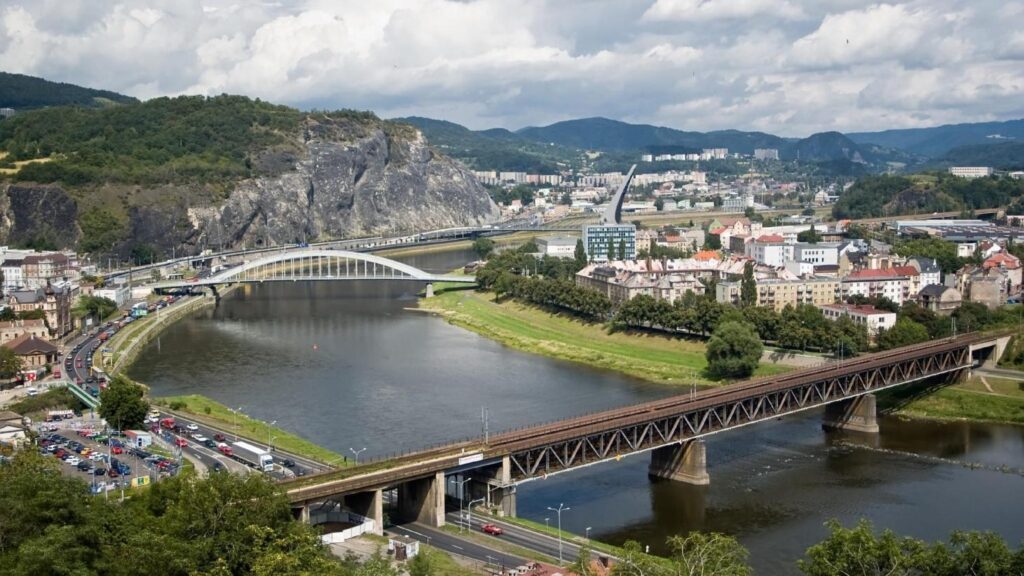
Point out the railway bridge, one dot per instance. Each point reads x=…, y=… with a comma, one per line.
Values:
x=671, y=430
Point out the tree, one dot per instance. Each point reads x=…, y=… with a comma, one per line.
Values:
x=697, y=554
x=748, y=286
x=10, y=363
x=7, y=314
x=483, y=247
x=580, y=255
x=904, y=333
x=810, y=236
x=622, y=249
x=859, y=551
x=733, y=351
x=94, y=306
x=122, y=405
x=659, y=204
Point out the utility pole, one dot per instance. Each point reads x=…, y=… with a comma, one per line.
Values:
x=462, y=499
x=484, y=414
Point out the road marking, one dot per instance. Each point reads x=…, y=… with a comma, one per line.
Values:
x=457, y=547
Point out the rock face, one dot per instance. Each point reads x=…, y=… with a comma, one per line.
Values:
x=337, y=178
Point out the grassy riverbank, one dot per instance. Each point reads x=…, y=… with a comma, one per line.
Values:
x=216, y=414
x=655, y=357
x=980, y=398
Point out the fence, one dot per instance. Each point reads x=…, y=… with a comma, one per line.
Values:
x=362, y=525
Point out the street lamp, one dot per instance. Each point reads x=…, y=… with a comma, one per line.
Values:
x=470, y=511
x=588, y=534
x=547, y=524
x=272, y=438
x=462, y=498
x=357, y=452
x=561, y=508
x=269, y=429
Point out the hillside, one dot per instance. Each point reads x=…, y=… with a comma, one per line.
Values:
x=939, y=140
x=879, y=196
x=190, y=172
x=494, y=149
x=1002, y=156
x=28, y=92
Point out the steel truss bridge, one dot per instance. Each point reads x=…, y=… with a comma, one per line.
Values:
x=535, y=452
x=315, y=264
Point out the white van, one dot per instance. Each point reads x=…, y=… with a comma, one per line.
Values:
x=32, y=391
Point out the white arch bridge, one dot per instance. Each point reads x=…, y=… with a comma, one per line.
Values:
x=314, y=264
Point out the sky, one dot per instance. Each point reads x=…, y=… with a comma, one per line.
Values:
x=789, y=67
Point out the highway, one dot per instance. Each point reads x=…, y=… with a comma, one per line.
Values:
x=453, y=544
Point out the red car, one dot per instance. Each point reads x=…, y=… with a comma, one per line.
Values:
x=181, y=442
x=492, y=529
x=117, y=450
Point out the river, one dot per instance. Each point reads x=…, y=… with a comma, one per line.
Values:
x=350, y=365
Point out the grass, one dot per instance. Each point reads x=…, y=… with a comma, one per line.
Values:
x=18, y=165
x=442, y=563
x=971, y=400
x=214, y=413
x=596, y=546
x=53, y=399
x=659, y=358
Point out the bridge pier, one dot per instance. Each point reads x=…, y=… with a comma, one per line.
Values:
x=685, y=462
x=856, y=415
x=430, y=290
x=370, y=505
x=422, y=500
x=504, y=494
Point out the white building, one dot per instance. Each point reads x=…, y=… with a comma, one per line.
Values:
x=766, y=154
x=119, y=295
x=971, y=171
x=871, y=283
x=866, y=315
x=770, y=250
x=821, y=254
x=559, y=246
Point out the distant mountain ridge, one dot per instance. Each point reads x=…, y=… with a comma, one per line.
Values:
x=23, y=92
x=937, y=141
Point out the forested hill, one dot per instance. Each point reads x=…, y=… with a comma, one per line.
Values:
x=878, y=196
x=28, y=92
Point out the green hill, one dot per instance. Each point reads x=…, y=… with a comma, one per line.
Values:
x=1002, y=156
x=879, y=196
x=28, y=92
x=936, y=141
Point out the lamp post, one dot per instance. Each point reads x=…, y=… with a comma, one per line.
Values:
x=462, y=498
x=561, y=508
x=470, y=511
x=269, y=440
x=588, y=534
x=357, y=452
x=234, y=420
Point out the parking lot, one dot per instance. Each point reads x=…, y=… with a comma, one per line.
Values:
x=105, y=463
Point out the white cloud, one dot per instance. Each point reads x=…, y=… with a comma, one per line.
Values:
x=787, y=66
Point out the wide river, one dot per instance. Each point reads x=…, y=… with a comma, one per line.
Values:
x=350, y=365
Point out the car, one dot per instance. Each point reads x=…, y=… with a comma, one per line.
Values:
x=492, y=529
x=199, y=438
x=300, y=471
x=219, y=437
x=99, y=471
x=51, y=448
x=288, y=463
x=113, y=473
x=209, y=443
x=78, y=380
x=181, y=443
x=217, y=466
x=73, y=460
x=117, y=450
x=192, y=427
x=84, y=465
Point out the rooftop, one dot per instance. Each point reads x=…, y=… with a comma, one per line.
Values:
x=858, y=309
x=28, y=344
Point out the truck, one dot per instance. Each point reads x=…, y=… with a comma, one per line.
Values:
x=255, y=456
x=167, y=423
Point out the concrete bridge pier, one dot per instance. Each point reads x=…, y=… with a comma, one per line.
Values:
x=855, y=415
x=684, y=462
x=422, y=500
x=370, y=505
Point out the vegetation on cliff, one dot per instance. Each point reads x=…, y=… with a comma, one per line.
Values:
x=878, y=196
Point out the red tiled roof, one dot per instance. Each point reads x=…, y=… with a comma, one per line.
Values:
x=905, y=270
x=717, y=231
x=706, y=255
x=1001, y=259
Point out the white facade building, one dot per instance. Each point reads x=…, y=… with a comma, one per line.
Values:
x=971, y=171
x=559, y=247
x=821, y=254
x=868, y=316
x=766, y=154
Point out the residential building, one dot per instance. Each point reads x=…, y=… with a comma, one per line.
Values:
x=39, y=269
x=988, y=286
x=121, y=295
x=602, y=241
x=928, y=269
x=822, y=254
x=877, y=283
x=971, y=171
x=13, y=430
x=12, y=270
x=621, y=285
x=738, y=203
x=645, y=239
x=34, y=352
x=770, y=249
x=558, y=246
x=865, y=315
x=7, y=112
x=940, y=299
x=54, y=301
x=766, y=154
x=1010, y=264
x=15, y=328
x=778, y=293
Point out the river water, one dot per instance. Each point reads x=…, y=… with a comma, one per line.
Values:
x=350, y=365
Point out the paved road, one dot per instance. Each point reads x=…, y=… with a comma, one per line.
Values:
x=455, y=545
x=1001, y=372
x=522, y=537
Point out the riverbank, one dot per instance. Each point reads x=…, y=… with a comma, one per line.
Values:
x=980, y=398
x=656, y=357
x=213, y=413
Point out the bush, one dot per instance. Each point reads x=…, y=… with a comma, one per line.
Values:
x=734, y=350
x=179, y=405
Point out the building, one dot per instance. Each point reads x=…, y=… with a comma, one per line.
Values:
x=971, y=171
x=928, y=269
x=7, y=112
x=13, y=431
x=821, y=254
x=121, y=295
x=940, y=299
x=34, y=352
x=40, y=269
x=558, y=246
x=766, y=154
x=877, y=283
x=645, y=239
x=602, y=241
x=1010, y=264
x=15, y=328
x=620, y=284
x=12, y=270
x=55, y=302
x=865, y=315
x=738, y=203
x=988, y=286
x=770, y=250
x=778, y=293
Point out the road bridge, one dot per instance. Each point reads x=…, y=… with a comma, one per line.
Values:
x=315, y=264
x=670, y=429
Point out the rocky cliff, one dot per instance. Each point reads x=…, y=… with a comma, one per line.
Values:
x=332, y=178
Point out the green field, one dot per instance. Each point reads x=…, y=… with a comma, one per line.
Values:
x=216, y=414
x=656, y=357
x=972, y=400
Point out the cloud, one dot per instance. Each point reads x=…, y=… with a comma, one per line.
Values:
x=787, y=66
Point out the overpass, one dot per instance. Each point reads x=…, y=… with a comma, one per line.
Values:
x=315, y=264
x=670, y=429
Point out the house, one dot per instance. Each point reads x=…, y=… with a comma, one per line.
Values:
x=13, y=430
x=988, y=286
x=770, y=249
x=877, y=283
x=928, y=269
x=1010, y=264
x=11, y=330
x=873, y=319
x=41, y=269
x=12, y=271
x=940, y=299
x=54, y=301
x=34, y=352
